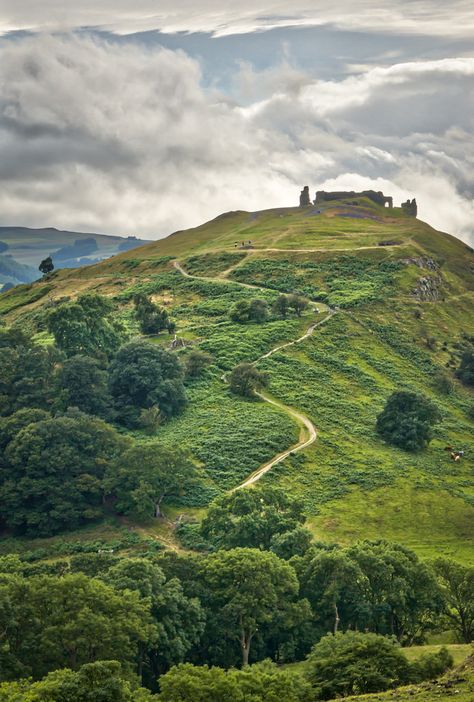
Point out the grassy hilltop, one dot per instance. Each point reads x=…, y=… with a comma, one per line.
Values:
x=404, y=297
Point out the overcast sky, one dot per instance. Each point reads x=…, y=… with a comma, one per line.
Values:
x=147, y=116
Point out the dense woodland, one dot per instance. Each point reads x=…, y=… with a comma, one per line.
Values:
x=251, y=590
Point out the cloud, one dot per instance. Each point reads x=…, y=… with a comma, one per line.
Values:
x=433, y=17
x=123, y=138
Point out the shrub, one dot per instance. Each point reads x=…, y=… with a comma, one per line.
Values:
x=407, y=420
x=355, y=663
x=245, y=379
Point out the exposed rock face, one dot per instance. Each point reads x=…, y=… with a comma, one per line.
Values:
x=422, y=262
x=410, y=207
x=377, y=197
x=428, y=288
x=305, y=200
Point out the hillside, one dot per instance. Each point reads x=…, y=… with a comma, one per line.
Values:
x=30, y=246
x=395, y=301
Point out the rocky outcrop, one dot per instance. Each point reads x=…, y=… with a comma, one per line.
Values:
x=428, y=288
x=422, y=262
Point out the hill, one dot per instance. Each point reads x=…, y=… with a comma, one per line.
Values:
x=68, y=249
x=394, y=299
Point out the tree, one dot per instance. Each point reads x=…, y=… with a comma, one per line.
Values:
x=354, y=664
x=151, y=317
x=82, y=383
x=402, y=597
x=407, y=420
x=143, y=375
x=246, y=590
x=143, y=476
x=457, y=583
x=86, y=327
x=280, y=306
x=46, y=266
x=151, y=419
x=195, y=363
x=255, y=310
x=26, y=373
x=12, y=425
x=258, y=311
x=465, y=372
x=251, y=518
x=67, y=622
x=103, y=680
x=179, y=620
x=53, y=477
x=335, y=586
x=245, y=380
x=297, y=303
x=262, y=682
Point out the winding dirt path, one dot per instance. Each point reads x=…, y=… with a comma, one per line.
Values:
x=308, y=431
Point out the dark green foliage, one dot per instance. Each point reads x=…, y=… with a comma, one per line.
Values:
x=245, y=380
x=12, y=425
x=251, y=518
x=430, y=665
x=151, y=317
x=142, y=477
x=53, y=474
x=82, y=383
x=195, y=362
x=443, y=382
x=280, y=306
x=104, y=681
x=465, y=372
x=179, y=620
x=297, y=304
x=143, y=375
x=355, y=663
x=46, y=266
x=375, y=586
x=407, y=421
x=262, y=682
x=249, y=311
x=86, y=327
x=248, y=591
x=49, y=622
x=457, y=583
x=26, y=373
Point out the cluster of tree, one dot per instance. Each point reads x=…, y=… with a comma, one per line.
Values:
x=257, y=310
x=151, y=317
x=58, y=450
x=225, y=609
x=407, y=420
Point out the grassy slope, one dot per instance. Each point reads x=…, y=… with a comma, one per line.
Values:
x=458, y=684
x=354, y=486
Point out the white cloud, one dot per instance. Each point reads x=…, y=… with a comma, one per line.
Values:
x=432, y=17
x=120, y=138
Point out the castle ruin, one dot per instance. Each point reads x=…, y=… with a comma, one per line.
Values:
x=305, y=198
x=409, y=207
x=377, y=197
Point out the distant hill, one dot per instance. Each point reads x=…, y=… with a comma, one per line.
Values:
x=68, y=249
x=401, y=296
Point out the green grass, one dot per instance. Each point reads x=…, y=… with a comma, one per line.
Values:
x=354, y=486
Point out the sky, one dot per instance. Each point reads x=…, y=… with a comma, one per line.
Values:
x=147, y=116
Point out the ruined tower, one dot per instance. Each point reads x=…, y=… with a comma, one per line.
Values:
x=410, y=207
x=305, y=199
